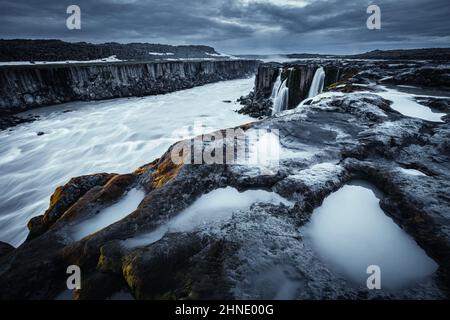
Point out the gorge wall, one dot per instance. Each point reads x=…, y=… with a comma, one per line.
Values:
x=296, y=77
x=299, y=78
x=26, y=87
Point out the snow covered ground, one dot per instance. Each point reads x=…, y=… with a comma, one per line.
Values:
x=116, y=135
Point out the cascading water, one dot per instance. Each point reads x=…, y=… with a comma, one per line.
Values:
x=280, y=95
x=317, y=83
x=280, y=102
x=276, y=85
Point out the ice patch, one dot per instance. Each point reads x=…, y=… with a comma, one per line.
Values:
x=351, y=232
x=212, y=208
x=108, y=216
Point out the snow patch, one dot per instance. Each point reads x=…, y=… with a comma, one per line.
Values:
x=161, y=53
x=413, y=172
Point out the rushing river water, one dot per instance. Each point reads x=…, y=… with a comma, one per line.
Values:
x=107, y=136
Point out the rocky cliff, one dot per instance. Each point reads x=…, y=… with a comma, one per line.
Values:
x=298, y=76
x=340, y=75
x=27, y=87
x=252, y=253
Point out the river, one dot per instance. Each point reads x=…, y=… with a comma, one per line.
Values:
x=116, y=135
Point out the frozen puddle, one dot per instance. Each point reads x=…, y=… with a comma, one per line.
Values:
x=405, y=104
x=211, y=208
x=351, y=232
x=108, y=216
x=413, y=172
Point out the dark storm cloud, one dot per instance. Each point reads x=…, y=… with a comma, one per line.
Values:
x=335, y=26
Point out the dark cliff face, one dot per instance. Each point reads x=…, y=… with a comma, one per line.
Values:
x=299, y=78
x=27, y=87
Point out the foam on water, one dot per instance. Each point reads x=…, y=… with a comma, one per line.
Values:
x=116, y=135
x=351, y=232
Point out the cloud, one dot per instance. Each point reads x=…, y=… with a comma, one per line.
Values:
x=233, y=26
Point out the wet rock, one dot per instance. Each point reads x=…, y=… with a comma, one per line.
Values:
x=439, y=104
x=256, y=109
x=63, y=198
x=36, y=227
x=98, y=286
x=177, y=267
x=437, y=77
x=9, y=121
x=5, y=248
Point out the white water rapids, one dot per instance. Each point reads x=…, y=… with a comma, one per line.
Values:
x=116, y=135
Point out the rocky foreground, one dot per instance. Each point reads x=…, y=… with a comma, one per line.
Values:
x=329, y=142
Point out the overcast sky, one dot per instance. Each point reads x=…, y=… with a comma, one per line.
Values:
x=237, y=26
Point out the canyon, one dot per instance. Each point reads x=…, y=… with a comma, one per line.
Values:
x=25, y=87
x=210, y=231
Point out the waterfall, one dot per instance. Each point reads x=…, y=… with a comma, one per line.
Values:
x=276, y=85
x=280, y=101
x=317, y=83
x=280, y=95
